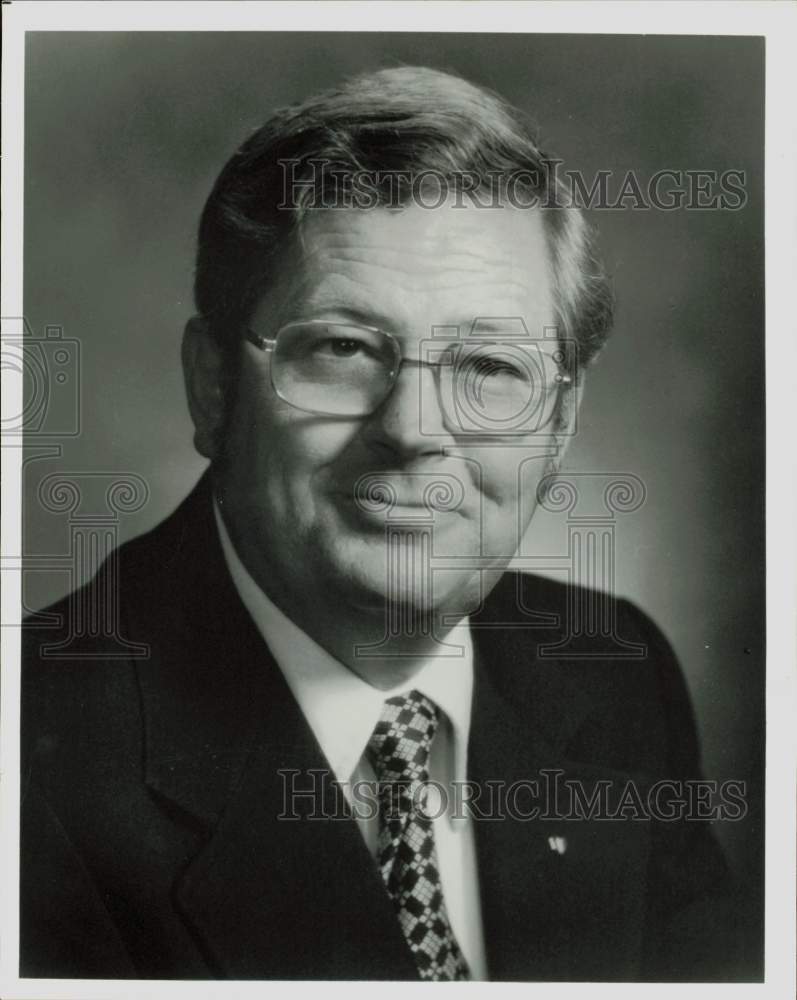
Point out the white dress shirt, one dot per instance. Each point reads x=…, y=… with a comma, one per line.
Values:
x=342, y=710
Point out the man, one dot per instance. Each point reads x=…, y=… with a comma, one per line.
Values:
x=395, y=308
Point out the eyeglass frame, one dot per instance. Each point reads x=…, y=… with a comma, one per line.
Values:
x=267, y=345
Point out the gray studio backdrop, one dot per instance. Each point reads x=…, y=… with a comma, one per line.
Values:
x=124, y=135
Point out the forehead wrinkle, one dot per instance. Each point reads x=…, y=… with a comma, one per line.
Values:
x=336, y=286
x=361, y=251
x=394, y=260
x=424, y=240
x=512, y=279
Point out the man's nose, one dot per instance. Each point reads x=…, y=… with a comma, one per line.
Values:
x=410, y=421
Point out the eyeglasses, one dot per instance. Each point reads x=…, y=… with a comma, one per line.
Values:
x=485, y=386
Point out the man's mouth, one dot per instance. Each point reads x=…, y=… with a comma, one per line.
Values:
x=386, y=494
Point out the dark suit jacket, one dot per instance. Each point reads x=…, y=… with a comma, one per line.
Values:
x=151, y=846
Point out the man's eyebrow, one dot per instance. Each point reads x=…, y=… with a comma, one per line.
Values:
x=347, y=313
x=368, y=316
x=505, y=326
x=493, y=324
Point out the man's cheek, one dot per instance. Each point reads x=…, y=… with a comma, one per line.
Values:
x=500, y=513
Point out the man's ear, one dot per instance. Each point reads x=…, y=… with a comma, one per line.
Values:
x=203, y=370
x=568, y=416
x=567, y=424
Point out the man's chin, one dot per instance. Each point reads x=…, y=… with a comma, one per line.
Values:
x=393, y=578
x=407, y=593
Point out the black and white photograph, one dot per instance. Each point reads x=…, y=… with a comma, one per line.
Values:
x=392, y=584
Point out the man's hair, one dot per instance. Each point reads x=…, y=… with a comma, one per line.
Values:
x=402, y=122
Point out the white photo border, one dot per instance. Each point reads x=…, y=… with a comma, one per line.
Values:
x=777, y=22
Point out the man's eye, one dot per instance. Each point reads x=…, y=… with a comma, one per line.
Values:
x=339, y=347
x=485, y=366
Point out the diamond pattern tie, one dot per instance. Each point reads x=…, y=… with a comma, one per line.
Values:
x=399, y=752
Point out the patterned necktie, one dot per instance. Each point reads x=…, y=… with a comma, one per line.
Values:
x=399, y=752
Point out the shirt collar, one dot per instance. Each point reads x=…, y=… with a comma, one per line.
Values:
x=340, y=707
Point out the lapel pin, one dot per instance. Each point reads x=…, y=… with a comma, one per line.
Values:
x=558, y=844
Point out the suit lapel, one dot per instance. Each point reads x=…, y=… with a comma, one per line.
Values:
x=286, y=888
x=547, y=915
x=510, y=860
x=266, y=896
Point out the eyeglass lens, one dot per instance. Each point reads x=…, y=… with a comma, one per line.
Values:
x=483, y=386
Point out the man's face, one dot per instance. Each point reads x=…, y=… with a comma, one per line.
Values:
x=287, y=485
